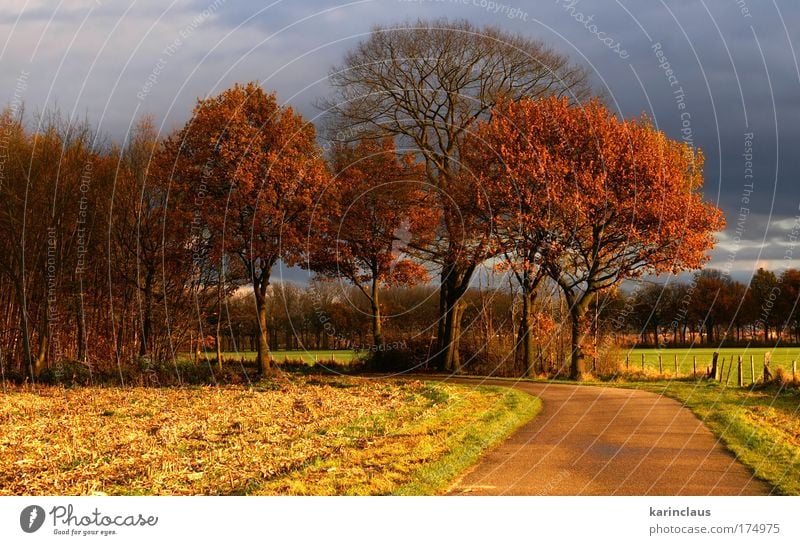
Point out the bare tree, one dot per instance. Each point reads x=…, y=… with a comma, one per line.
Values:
x=428, y=82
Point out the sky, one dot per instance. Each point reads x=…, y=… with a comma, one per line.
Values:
x=722, y=74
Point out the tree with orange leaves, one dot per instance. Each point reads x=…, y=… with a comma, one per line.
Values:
x=376, y=196
x=592, y=199
x=250, y=170
x=516, y=179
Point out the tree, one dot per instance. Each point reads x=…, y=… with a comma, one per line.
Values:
x=787, y=303
x=249, y=170
x=138, y=218
x=733, y=303
x=21, y=262
x=710, y=302
x=375, y=196
x=624, y=200
x=764, y=287
x=648, y=311
x=515, y=175
x=39, y=208
x=427, y=82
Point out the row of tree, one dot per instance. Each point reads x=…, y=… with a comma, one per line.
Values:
x=710, y=310
x=714, y=308
x=450, y=147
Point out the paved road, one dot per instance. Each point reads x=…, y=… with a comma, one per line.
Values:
x=591, y=440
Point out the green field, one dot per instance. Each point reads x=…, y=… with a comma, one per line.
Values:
x=781, y=358
x=308, y=356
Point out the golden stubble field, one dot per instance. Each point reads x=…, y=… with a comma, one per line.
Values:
x=302, y=435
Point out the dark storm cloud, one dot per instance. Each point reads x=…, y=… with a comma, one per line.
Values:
x=736, y=72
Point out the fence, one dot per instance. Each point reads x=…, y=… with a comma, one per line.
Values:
x=720, y=368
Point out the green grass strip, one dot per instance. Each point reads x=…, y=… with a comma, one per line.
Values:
x=467, y=444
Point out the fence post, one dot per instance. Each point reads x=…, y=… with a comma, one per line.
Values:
x=721, y=369
x=794, y=370
x=752, y=371
x=739, y=370
x=628, y=360
x=694, y=366
x=660, y=365
x=767, y=372
x=642, y=361
x=713, y=373
x=730, y=368
x=675, y=357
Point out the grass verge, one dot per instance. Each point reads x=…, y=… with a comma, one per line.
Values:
x=415, y=455
x=465, y=446
x=309, y=434
x=761, y=427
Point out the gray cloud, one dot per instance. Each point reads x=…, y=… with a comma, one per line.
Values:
x=97, y=70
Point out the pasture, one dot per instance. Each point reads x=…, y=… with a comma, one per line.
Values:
x=782, y=358
x=307, y=356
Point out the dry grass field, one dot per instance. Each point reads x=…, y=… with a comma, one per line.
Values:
x=303, y=435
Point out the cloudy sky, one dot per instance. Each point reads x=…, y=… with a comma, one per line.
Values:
x=733, y=66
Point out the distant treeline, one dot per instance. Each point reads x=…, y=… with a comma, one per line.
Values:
x=709, y=310
x=714, y=309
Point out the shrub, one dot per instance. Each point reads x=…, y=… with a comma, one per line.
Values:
x=783, y=379
x=608, y=363
x=493, y=358
x=413, y=354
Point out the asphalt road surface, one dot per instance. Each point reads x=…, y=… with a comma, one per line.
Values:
x=590, y=440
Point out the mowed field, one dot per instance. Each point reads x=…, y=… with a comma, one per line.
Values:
x=781, y=358
x=308, y=356
x=310, y=434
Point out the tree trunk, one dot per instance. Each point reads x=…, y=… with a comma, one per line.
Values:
x=260, y=285
x=377, y=334
x=459, y=320
x=82, y=340
x=525, y=339
x=455, y=355
x=44, y=344
x=120, y=339
x=577, y=367
x=218, y=333
x=198, y=348
x=578, y=307
x=147, y=319
x=441, y=325
x=262, y=358
x=455, y=282
x=26, y=330
x=451, y=361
